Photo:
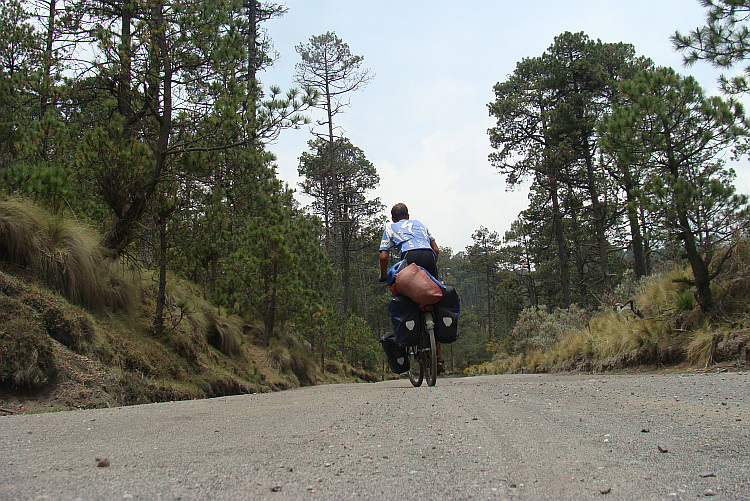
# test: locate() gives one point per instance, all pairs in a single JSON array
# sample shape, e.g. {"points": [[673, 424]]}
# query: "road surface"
{"points": [[513, 437]]}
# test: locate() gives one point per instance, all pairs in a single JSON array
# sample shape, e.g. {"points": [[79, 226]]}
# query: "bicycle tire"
{"points": [[415, 360], [431, 359]]}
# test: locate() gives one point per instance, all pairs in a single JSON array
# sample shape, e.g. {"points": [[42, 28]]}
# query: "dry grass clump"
{"points": [[577, 344], [662, 293], [65, 255], [288, 354], [26, 357], [278, 358], [335, 367], [617, 333], [707, 346], [701, 348], [224, 333], [20, 238], [186, 310]]}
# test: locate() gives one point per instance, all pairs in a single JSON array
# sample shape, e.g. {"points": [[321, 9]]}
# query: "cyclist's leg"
{"points": [[440, 362]]}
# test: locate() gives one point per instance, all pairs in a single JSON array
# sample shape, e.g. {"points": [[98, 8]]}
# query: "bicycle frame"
{"points": [[424, 354]]}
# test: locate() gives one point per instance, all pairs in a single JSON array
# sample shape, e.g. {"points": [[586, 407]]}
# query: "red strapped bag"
{"points": [[418, 285]]}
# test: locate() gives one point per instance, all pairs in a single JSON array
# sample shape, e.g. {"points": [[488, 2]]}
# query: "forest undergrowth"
{"points": [[651, 324], [76, 329]]}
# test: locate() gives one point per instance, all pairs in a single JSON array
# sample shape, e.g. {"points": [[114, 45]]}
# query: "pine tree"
{"points": [[484, 258], [667, 121], [353, 178], [329, 67]]}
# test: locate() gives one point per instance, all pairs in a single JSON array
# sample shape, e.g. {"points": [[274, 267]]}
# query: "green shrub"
{"points": [[541, 328]]}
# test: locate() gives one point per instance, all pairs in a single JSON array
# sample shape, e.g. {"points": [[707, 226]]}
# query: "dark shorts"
{"points": [[424, 258]]}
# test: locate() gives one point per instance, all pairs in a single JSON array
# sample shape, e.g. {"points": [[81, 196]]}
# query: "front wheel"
{"points": [[416, 367], [430, 359]]}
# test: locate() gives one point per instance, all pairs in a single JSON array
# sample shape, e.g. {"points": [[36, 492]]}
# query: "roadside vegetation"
{"points": [[76, 328], [649, 324]]}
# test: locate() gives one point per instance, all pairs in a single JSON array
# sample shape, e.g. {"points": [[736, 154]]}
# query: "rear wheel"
{"points": [[416, 367]]}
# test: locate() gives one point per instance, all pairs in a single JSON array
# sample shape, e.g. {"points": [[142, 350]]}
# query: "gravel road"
{"points": [[534, 437]]}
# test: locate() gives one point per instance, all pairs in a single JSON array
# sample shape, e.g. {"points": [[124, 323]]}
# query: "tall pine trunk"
{"points": [[697, 263], [562, 251], [598, 213], [161, 295], [162, 60], [639, 254]]}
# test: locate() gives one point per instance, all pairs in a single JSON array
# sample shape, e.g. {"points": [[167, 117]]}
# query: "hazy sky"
{"points": [[423, 119]]}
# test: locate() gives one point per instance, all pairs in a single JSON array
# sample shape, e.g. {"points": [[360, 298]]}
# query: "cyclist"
{"points": [[415, 243]]}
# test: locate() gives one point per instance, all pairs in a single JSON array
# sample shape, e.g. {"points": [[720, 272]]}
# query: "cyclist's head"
{"points": [[399, 212]]}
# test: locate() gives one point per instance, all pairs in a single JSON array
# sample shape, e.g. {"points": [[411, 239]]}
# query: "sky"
{"points": [[422, 121]]}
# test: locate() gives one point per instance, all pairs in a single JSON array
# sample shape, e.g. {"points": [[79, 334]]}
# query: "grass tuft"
{"points": [[278, 358], [64, 254], [288, 354], [26, 356], [701, 348], [685, 301], [19, 232], [224, 333]]}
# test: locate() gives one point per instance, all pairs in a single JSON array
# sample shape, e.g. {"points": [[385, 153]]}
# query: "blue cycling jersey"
{"points": [[406, 235]]}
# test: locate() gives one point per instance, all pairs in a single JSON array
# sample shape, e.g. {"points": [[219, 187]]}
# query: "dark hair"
{"points": [[399, 212]]}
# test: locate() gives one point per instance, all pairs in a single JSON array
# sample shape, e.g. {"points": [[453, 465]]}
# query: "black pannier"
{"points": [[445, 314], [407, 320], [395, 354]]}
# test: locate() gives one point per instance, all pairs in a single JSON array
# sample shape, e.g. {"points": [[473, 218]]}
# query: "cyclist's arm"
{"points": [[434, 246], [383, 264]]}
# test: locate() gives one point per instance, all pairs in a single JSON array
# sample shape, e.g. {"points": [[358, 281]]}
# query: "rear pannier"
{"points": [[406, 318], [445, 314], [395, 354]]}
